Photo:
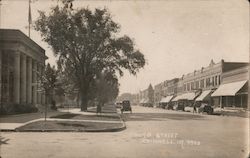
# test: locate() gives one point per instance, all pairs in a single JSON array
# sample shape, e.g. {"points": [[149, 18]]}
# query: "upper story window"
{"points": [[188, 87], [192, 85], [196, 84], [202, 83], [207, 82], [212, 81]]}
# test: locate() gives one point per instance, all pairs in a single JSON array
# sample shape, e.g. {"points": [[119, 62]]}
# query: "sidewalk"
{"points": [[77, 120], [11, 122]]}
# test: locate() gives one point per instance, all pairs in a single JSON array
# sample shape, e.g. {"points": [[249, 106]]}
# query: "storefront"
{"points": [[166, 101], [205, 97], [233, 94], [184, 100]]}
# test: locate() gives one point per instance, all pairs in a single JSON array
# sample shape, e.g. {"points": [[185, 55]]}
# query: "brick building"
{"points": [[204, 81], [146, 96], [233, 91], [158, 93]]}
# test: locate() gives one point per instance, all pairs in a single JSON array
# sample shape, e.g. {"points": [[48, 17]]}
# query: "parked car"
{"points": [[179, 106], [206, 108], [169, 107], [126, 106]]}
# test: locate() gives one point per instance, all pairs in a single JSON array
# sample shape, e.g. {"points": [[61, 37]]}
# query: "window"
{"points": [[207, 82], [192, 85], [188, 87], [219, 79], [202, 83], [212, 81], [197, 84], [216, 80]]}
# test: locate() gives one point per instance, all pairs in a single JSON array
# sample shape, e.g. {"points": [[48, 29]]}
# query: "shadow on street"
{"points": [[159, 117]]}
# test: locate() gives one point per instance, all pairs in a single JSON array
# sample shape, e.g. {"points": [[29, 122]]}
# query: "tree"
{"points": [[106, 88], [47, 84], [87, 43]]}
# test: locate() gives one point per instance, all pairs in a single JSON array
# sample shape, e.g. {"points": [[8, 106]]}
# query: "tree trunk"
{"points": [[84, 101], [84, 89], [99, 108]]}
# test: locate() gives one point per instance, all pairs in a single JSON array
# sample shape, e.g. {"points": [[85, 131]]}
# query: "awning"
{"points": [[176, 98], [166, 99], [229, 89], [203, 95], [185, 96]]}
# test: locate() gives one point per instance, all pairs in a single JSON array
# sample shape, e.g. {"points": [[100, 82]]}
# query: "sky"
{"points": [[176, 36]]}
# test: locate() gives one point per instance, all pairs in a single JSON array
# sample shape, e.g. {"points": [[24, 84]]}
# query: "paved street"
{"points": [[150, 133]]}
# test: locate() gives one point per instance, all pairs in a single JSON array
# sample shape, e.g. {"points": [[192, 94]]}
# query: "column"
{"points": [[23, 79], [17, 77], [39, 92], [34, 98], [43, 99], [0, 77], [29, 80], [7, 74]]}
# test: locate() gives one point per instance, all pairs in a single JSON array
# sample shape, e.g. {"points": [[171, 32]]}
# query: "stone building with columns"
{"points": [[21, 62]]}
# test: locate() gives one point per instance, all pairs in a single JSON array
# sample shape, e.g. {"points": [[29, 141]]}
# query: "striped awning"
{"points": [[185, 96], [166, 99], [203, 95], [229, 89]]}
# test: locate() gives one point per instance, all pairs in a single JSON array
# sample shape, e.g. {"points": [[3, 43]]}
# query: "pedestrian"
{"points": [[195, 110]]}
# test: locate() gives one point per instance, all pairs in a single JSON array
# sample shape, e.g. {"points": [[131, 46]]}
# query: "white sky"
{"points": [[176, 36]]}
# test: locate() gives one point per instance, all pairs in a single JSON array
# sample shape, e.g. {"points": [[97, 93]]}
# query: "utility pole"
{"points": [[0, 12], [29, 17]]}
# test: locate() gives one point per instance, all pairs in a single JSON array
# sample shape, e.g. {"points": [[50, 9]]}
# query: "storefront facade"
{"points": [[233, 91]]}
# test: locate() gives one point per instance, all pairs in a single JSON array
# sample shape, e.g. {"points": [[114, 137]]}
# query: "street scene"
{"points": [[149, 132], [124, 79]]}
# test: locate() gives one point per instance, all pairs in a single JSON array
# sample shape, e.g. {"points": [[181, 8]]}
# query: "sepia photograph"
{"points": [[124, 78]]}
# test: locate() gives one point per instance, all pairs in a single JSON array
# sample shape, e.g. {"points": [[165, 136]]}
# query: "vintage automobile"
{"points": [[206, 108], [126, 106]]}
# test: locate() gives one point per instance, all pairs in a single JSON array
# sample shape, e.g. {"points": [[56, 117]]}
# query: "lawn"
{"points": [[87, 117], [69, 126]]}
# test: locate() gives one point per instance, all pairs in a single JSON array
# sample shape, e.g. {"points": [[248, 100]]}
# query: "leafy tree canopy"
{"points": [[87, 43]]}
